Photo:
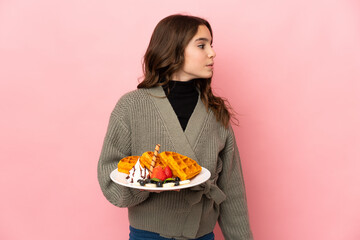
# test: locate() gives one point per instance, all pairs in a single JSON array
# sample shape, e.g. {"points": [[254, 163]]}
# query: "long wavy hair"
{"points": [[165, 56]]}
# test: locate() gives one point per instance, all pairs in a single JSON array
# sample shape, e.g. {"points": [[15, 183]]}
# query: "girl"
{"points": [[174, 106]]}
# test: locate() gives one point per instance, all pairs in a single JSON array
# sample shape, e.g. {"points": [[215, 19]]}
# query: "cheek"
{"points": [[194, 59], [193, 53]]}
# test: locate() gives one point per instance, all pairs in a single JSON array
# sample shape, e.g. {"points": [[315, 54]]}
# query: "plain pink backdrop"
{"points": [[290, 69]]}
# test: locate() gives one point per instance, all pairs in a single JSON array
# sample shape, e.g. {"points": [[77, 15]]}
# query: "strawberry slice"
{"points": [[159, 173], [168, 172]]}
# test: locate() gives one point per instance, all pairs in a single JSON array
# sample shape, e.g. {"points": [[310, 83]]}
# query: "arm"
{"points": [[117, 145], [233, 220]]}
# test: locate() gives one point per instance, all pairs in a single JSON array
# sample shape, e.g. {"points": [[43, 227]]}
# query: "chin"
{"points": [[207, 75]]}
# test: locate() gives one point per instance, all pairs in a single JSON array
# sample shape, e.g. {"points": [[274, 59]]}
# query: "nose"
{"points": [[211, 53]]}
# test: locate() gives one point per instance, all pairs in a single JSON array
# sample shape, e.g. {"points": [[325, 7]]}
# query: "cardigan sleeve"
{"points": [[117, 145], [233, 219]]}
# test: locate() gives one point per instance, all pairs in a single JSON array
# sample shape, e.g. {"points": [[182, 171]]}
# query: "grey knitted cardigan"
{"points": [[143, 118]]}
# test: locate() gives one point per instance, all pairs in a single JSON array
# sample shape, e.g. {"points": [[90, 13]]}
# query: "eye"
{"points": [[202, 46]]}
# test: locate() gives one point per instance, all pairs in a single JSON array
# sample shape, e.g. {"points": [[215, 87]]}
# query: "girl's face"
{"points": [[199, 57]]}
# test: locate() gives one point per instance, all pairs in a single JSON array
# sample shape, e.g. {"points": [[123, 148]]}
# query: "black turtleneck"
{"points": [[183, 97]]}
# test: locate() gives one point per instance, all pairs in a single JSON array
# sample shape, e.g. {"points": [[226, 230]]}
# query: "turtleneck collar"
{"points": [[183, 97], [179, 87]]}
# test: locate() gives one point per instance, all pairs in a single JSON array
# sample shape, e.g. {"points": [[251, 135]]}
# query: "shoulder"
{"points": [[125, 104], [132, 97], [217, 127], [136, 101], [129, 100]]}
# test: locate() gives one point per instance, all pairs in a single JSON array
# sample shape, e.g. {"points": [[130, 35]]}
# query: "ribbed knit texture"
{"points": [[139, 121]]}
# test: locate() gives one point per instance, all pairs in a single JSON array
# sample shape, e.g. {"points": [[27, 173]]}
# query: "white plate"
{"points": [[120, 178]]}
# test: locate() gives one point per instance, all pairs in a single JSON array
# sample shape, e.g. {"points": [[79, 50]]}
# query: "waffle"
{"points": [[127, 163], [146, 158], [181, 166]]}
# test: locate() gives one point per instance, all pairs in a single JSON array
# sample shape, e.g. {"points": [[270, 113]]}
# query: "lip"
{"points": [[211, 65]]}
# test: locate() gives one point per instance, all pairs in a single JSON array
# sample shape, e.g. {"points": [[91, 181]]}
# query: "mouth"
{"points": [[210, 65]]}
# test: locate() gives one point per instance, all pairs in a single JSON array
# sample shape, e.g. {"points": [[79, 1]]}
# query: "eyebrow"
{"points": [[202, 39]]}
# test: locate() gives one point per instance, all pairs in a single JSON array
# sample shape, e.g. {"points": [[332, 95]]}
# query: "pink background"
{"points": [[291, 70]]}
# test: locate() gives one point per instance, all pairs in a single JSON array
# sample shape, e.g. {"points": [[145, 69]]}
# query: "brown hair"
{"points": [[165, 56]]}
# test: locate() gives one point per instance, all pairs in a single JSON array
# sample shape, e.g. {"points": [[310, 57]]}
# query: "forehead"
{"points": [[203, 33]]}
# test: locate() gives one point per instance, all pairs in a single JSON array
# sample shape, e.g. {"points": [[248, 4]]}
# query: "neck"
{"points": [[181, 77]]}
